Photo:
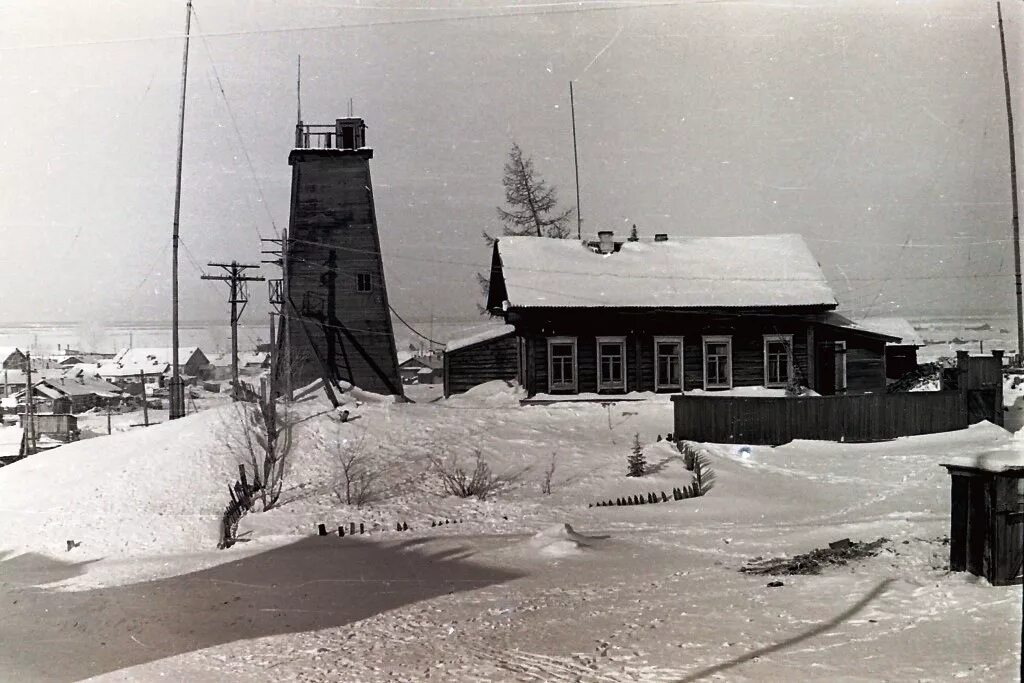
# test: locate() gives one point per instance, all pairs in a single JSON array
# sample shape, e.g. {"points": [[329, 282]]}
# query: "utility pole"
{"points": [[145, 399], [279, 300], [177, 393], [30, 424], [236, 279], [576, 163]]}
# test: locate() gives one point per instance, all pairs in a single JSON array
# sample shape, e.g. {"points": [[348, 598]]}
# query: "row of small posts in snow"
{"points": [[683, 493], [321, 529]]}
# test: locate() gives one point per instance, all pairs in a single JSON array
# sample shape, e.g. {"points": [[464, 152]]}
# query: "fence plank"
{"points": [[856, 418]]}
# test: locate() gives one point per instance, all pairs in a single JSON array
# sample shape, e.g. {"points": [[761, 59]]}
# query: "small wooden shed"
{"points": [[986, 535], [483, 357]]}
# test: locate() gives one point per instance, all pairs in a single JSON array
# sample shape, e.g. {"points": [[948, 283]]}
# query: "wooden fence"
{"points": [[775, 421]]}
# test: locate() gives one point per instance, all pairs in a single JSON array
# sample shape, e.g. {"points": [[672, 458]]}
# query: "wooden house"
{"points": [[153, 364], [11, 358], [677, 315], [900, 356], [419, 369]]}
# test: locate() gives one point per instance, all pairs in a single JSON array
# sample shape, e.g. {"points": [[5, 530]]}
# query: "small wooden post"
{"points": [[108, 417], [321, 529]]}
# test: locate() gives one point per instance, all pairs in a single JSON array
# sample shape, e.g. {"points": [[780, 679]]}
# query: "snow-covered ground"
{"points": [[648, 592]]}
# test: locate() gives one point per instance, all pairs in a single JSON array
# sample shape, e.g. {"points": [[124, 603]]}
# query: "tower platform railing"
{"points": [[316, 136]]}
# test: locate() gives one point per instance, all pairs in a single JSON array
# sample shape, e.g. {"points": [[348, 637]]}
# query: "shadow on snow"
{"points": [[312, 584]]}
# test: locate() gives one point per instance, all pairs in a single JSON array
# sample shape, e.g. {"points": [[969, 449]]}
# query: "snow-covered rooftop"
{"points": [[132, 369], [894, 327], [485, 335], [686, 272], [839, 320], [154, 355]]}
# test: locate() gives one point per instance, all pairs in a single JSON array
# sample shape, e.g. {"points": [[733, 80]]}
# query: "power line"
{"points": [[238, 134], [414, 330], [646, 277], [552, 9]]}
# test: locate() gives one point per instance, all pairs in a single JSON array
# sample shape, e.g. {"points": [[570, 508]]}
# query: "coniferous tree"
{"points": [[636, 464], [531, 201], [531, 206]]}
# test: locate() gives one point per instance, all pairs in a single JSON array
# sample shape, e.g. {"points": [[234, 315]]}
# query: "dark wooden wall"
{"points": [[641, 328], [775, 421], [483, 362], [865, 358], [899, 360], [333, 222]]}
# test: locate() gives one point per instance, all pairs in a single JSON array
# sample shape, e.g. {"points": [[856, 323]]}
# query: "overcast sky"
{"points": [[875, 129]]}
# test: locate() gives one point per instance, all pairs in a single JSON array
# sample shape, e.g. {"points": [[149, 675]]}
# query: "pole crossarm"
{"points": [[235, 275]]}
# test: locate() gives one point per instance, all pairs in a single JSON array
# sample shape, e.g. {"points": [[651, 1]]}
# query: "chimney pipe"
{"points": [[661, 237], [606, 244]]}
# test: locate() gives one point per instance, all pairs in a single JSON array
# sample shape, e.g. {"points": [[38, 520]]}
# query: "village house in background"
{"points": [[151, 365], [419, 368], [11, 358], [250, 362], [674, 315]]}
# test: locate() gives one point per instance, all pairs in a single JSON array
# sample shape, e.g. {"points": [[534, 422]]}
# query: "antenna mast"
{"points": [[298, 89], [1013, 190], [576, 163], [177, 395]]}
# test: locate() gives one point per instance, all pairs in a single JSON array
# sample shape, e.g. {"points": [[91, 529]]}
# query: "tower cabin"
{"points": [[335, 299]]}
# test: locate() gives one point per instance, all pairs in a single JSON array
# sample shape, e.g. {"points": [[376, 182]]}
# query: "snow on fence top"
{"points": [[894, 327], [687, 272], [486, 335]]}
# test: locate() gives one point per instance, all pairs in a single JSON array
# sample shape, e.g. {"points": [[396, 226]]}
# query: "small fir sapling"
{"points": [[636, 463]]}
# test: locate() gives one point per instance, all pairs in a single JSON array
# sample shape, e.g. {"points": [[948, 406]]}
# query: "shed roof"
{"points": [[686, 272], [895, 327], [839, 320], [489, 334]]}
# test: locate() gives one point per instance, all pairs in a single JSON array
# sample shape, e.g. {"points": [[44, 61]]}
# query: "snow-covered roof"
{"points": [[8, 351], [998, 460], [83, 386], [153, 355], [686, 272], [223, 360], [486, 335], [839, 320], [132, 369], [894, 327]]}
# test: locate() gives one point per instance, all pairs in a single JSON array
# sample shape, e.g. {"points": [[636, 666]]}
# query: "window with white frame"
{"points": [[668, 363], [840, 348], [778, 359], [718, 362], [562, 364], [611, 363]]}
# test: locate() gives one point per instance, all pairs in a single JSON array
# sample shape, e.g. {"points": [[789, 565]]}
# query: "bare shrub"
{"points": [[549, 473], [263, 436], [478, 481], [360, 474]]}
